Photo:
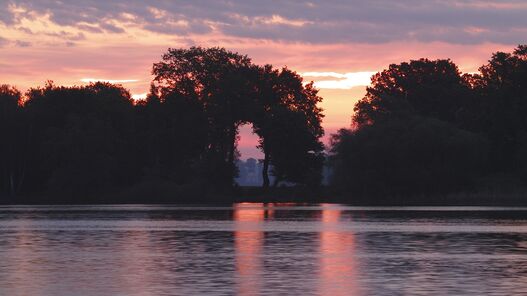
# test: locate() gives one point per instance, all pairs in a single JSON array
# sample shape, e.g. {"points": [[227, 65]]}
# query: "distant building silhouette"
{"points": [[250, 172]]}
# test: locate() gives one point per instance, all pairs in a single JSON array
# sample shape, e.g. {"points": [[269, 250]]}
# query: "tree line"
{"points": [[425, 128], [68, 141]]}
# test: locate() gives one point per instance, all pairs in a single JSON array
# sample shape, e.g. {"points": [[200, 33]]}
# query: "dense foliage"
{"points": [[91, 139], [424, 128]]}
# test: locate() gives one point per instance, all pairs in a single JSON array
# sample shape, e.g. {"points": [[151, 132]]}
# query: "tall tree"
{"points": [[222, 82], [233, 91], [172, 135], [289, 125], [501, 87], [11, 133], [408, 134], [429, 88]]}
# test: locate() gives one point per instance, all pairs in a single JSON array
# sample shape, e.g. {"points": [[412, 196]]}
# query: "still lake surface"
{"points": [[262, 249]]}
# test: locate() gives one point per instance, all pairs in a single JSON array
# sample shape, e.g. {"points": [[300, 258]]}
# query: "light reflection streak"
{"points": [[337, 266], [21, 256], [248, 247]]}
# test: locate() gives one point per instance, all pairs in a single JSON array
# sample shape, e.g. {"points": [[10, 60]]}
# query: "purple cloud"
{"points": [[317, 21]]}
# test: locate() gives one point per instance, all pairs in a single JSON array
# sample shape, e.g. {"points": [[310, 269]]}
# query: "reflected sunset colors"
{"points": [[185, 100], [337, 266], [261, 249], [19, 258], [248, 246]]}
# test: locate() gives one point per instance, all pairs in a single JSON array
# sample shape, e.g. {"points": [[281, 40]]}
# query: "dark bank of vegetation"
{"points": [[95, 144], [423, 134], [425, 131]]}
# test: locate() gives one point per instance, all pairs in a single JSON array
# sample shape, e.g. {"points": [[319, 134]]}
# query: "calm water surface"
{"points": [[262, 249]]}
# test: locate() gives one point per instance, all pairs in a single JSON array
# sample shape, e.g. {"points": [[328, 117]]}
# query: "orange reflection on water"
{"points": [[337, 267], [135, 263], [20, 255], [248, 243], [269, 214]]}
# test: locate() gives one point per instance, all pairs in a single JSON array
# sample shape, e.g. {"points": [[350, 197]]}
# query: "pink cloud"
{"points": [[122, 45]]}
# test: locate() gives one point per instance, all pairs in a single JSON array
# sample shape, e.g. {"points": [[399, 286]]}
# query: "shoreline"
{"points": [[277, 195]]}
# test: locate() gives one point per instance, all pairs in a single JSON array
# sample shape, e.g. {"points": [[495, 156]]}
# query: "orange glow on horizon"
{"points": [[114, 81], [38, 49]]}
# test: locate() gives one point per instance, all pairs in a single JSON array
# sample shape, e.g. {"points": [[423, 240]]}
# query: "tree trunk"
{"points": [[265, 171], [232, 144], [276, 181], [232, 152], [22, 171], [11, 184]]}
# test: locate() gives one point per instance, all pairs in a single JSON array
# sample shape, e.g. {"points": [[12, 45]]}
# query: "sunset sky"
{"points": [[338, 44]]}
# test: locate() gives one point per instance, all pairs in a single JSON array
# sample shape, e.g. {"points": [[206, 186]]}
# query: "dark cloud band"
{"points": [[324, 21]]}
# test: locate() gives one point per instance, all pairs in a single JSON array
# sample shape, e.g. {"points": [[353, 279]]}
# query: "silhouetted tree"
{"points": [[81, 138], [232, 91], [409, 134], [501, 87], [421, 128], [429, 88], [172, 131], [473, 125], [12, 148], [406, 157], [288, 122], [222, 81]]}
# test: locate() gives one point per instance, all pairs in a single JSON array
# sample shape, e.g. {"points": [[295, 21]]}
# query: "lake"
{"points": [[262, 249]]}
